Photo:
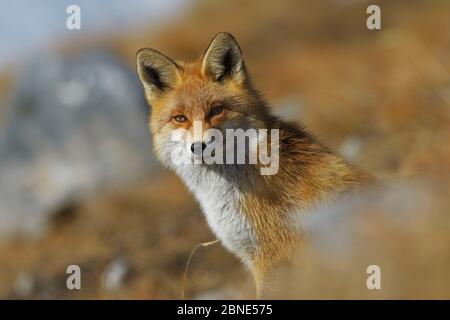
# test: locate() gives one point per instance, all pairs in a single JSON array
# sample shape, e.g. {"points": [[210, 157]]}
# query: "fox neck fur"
{"points": [[256, 216]]}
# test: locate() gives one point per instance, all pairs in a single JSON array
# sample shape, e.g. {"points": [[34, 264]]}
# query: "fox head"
{"points": [[211, 94]]}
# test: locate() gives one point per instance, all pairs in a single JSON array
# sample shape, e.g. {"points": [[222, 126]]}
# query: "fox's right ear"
{"points": [[158, 73]]}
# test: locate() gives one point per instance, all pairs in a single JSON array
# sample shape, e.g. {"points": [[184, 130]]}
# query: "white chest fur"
{"points": [[221, 203]]}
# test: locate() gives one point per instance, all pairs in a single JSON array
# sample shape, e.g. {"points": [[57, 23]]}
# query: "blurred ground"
{"points": [[380, 98]]}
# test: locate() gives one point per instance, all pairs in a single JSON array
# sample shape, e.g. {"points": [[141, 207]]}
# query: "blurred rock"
{"points": [[75, 124], [115, 274], [289, 108], [350, 148], [24, 285]]}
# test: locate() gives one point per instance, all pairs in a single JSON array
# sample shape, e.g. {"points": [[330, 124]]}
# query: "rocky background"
{"points": [[79, 183]]}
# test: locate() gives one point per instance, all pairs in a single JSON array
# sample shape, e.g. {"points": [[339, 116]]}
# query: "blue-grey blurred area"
{"points": [[29, 26], [75, 124]]}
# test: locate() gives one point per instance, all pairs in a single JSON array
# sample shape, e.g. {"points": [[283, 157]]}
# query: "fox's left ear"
{"points": [[223, 59]]}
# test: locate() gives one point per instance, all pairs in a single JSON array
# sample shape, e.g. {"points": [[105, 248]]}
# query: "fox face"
{"points": [[193, 104]]}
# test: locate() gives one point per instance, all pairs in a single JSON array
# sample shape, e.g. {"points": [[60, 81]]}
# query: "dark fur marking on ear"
{"points": [[227, 63], [153, 76], [223, 59]]}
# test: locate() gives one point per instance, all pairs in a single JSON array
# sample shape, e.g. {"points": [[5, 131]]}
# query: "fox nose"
{"points": [[198, 147]]}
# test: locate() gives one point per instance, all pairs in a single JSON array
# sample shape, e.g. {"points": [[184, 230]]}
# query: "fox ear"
{"points": [[158, 73], [223, 59]]}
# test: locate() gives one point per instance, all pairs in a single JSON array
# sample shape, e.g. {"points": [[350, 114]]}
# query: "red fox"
{"points": [[252, 214]]}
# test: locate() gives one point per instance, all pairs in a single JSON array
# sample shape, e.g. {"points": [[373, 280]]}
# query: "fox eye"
{"points": [[180, 118], [216, 110]]}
